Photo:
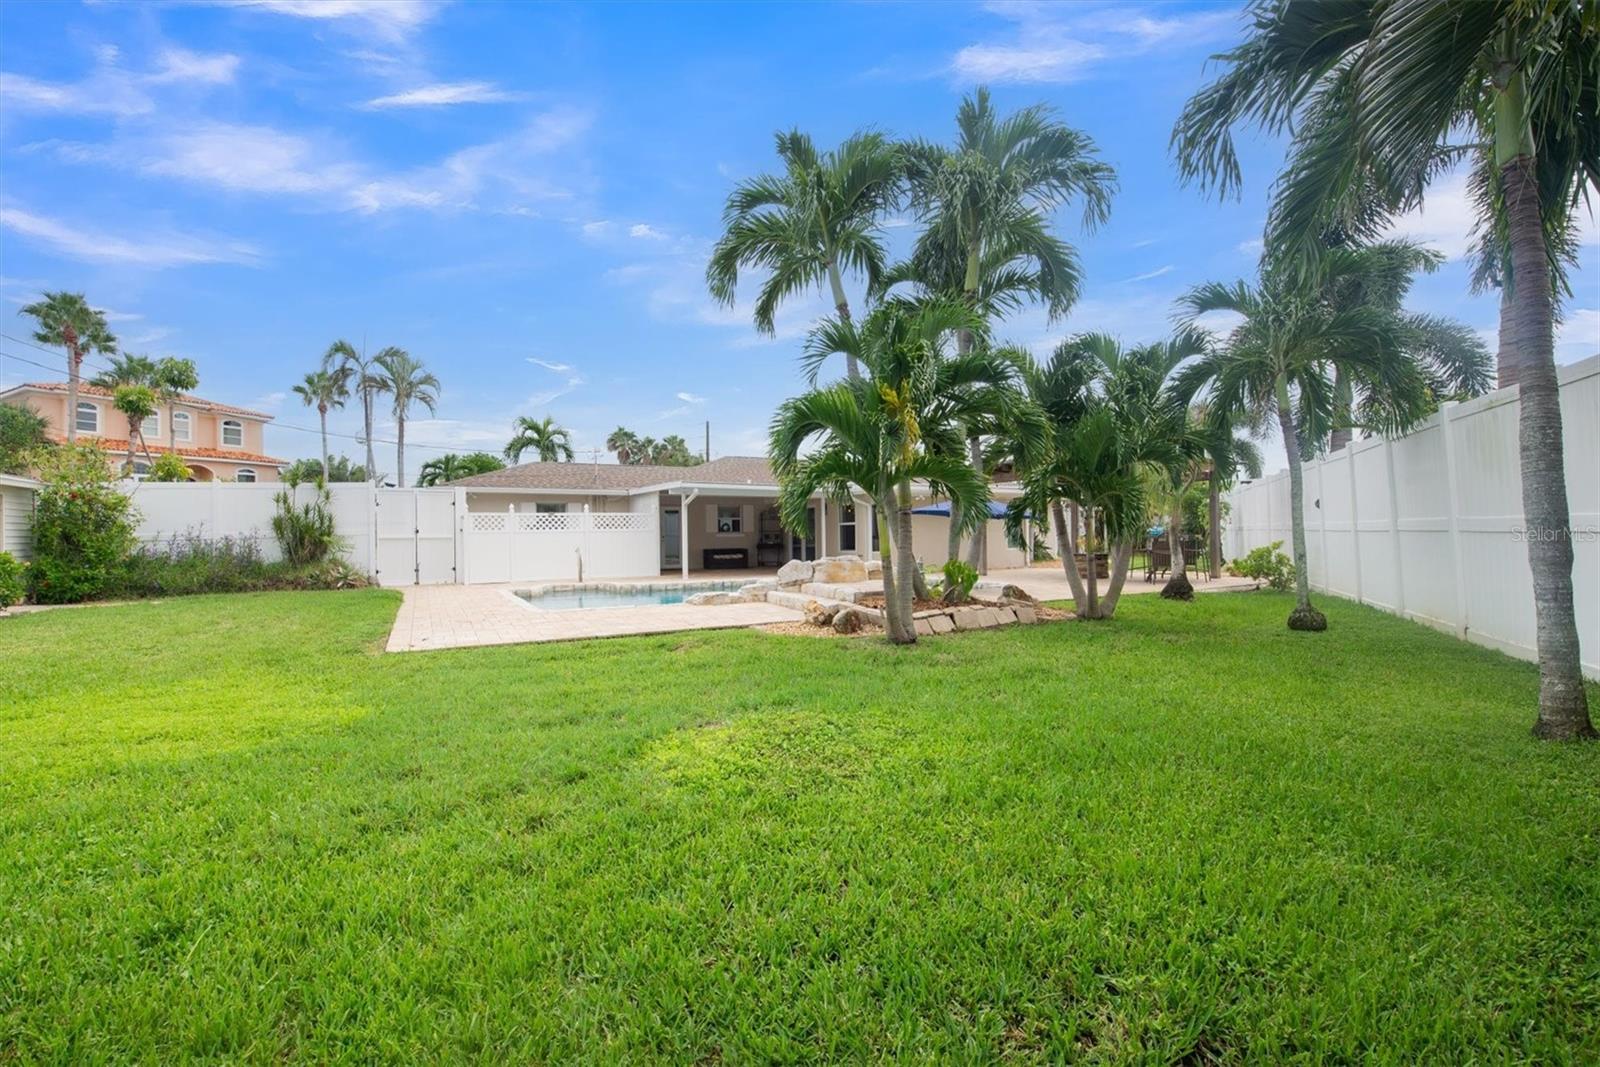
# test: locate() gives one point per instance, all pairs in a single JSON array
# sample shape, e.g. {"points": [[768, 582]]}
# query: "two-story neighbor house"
{"points": [[218, 442]]}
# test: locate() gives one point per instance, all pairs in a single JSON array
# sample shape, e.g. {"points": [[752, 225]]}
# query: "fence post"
{"points": [[1355, 516], [1452, 498], [1394, 528], [1322, 524]]}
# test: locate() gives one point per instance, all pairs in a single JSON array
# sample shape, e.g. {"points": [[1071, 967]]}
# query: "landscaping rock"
{"points": [[836, 570], [714, 598], [1014, 593], [874, 568], [794, 572], [1007, 616], [849, 621], [819, 614], [756, 591], [969, 618], [924, 628], [1026, 615], [941, 624]]}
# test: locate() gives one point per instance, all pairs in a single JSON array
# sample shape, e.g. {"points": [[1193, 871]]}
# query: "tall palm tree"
{"points": [[325, 388], [366, 379], [553, 443], [987, 203], [173, 378], [625, 443], [1377, 92], [408, 384], [809, 225], [1229, 450], [66, 319], [1281, 361], [903, 422]]}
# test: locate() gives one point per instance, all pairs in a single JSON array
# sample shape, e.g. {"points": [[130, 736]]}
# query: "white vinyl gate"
{"points": [[415, 536]]}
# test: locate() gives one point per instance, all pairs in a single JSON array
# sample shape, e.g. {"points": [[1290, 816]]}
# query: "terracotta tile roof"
{"points": [[119, 446], [186, 399], [616, 478]]}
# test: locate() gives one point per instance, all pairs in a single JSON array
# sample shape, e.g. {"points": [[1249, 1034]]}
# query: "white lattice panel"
{"points": [[617, 522], [484, 522], [547, 522]]}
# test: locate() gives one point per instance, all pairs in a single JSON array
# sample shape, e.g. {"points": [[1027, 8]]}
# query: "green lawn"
{"points": [[229, 828]]}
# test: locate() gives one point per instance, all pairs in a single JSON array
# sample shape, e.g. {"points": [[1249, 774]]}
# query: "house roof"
{"points": [[617, 478], [186, 399], [119, 446]]}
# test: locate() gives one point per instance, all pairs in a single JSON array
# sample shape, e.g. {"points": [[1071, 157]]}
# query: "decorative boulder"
{"points": [[1014, 593], [835, 570], [795, 572], [874, 568], [757, 590], [819, 614], [848, 621], [713, 598]]}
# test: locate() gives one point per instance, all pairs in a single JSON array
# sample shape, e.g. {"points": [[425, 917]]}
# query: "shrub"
{"points": [[959, 578], [169, 467], [82, 526], [305, 532], [13, 580], [187, 563], [23, 431], [1267, 564]]}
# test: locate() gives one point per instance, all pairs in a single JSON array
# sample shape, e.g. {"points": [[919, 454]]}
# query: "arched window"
{"points": [[88, 417], [232, 433], [182, 425], [245, 474]]}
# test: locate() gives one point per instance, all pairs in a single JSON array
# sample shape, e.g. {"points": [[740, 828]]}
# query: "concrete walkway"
{"points": [[1050, 583], [459, 616]]}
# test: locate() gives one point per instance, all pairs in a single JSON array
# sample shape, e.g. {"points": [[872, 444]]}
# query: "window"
{"points": [[233, 433], [182, 426], [542, 508], [729, 519], [847, 528], [151, 427], [88, 417], [245, 474], [140, 470]]}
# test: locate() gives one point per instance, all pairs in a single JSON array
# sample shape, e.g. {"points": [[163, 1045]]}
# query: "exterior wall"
{"points": [[702, 520], [930, 538], [1430, 526], [16, 521]]}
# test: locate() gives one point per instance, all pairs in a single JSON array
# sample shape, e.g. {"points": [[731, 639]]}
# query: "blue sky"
{"points": [[524, 196]]}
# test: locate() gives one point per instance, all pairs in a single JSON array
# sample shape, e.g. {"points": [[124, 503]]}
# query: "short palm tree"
{"points": [[325, 388], [809, 226], [900, 423], [552, 443], [67, 320], [131, 380], [1282, 359], [365, 378], [173, 378], [987, 204], [409, 384], [625, 443], [1380, 94], [450, 466]]}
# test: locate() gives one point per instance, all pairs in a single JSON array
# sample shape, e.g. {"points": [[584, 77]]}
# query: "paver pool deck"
{"points": [[462, 616]]}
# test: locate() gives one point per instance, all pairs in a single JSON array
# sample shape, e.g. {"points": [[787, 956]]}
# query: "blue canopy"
{"points": [[997, 509]]}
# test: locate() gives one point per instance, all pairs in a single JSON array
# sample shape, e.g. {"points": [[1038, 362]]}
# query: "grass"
{"points": [[230, 829]]}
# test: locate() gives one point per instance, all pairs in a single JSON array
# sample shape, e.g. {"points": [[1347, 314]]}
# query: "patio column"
{"points": [[822, 527], [684, 500]]}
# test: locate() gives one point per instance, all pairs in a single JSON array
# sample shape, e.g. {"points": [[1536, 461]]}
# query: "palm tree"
{"points": [[408, 383], [450, 466], [809, 225], [901, 423], [1229, 451], [1376, 92], [325, 388], [552, 442], [625, 443], [366, 378], [131, 380], [66, 319], [1282, 359], [173, 378], [987, 204]]}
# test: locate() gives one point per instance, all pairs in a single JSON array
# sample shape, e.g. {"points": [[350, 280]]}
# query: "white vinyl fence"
{"points": [[1430, 526], [519, 546]]}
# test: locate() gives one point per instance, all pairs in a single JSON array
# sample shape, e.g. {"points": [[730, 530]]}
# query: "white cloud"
{"points": [[1252, 247], [1579, 333], [1067, 61], [572, 380], [110, 90], [1444, 220], [445, 94], [182, 65], [596, 229], [1218, 323], [153, 250], [554, 368], [1158, 272], [645, 231], [391, 20], [690, 398]]}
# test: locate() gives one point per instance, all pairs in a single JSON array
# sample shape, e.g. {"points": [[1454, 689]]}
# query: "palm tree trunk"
{"points": [[1214, 521], [400, 450], [1121, 559], [172, 429], [1092, 606], [978, 548], [1343, 403], [74, 362], [1563, 704], [366, 417], [905, 564], [322, 413], [133, 434], [1067, 550], [841, 304], [1304, 616], [1506, 357]]}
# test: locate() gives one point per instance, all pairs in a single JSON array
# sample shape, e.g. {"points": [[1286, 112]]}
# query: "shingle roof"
{"points": [[616, 478], [186, 399]]}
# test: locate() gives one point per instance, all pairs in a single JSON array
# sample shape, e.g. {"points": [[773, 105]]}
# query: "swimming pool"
{"points": [[612, 595]]}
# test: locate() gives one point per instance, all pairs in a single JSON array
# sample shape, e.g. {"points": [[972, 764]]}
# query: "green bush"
{"points": [[1267, 564], [959, 578], [82, 526], [169, 467], [305, 532], [188, 564], [13, 580]]}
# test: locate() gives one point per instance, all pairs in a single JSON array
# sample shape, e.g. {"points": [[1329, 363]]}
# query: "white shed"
{"points": [[16, 515]]}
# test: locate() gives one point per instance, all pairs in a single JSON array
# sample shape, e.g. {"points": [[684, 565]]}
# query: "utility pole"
{"points": [[708, 441]]}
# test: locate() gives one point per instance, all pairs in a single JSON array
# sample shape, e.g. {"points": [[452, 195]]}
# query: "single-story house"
{"points": [[16, 515], [722, 514]]}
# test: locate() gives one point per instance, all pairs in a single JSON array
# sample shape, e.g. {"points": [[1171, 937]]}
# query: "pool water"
{"points": [[573, 597]]}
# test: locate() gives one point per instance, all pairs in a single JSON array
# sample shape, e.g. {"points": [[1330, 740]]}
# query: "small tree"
{"points": [[552, 443], [173, 378], [82, 526], [305, 532], [23, 431], [169, 467], [137, 403]]}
